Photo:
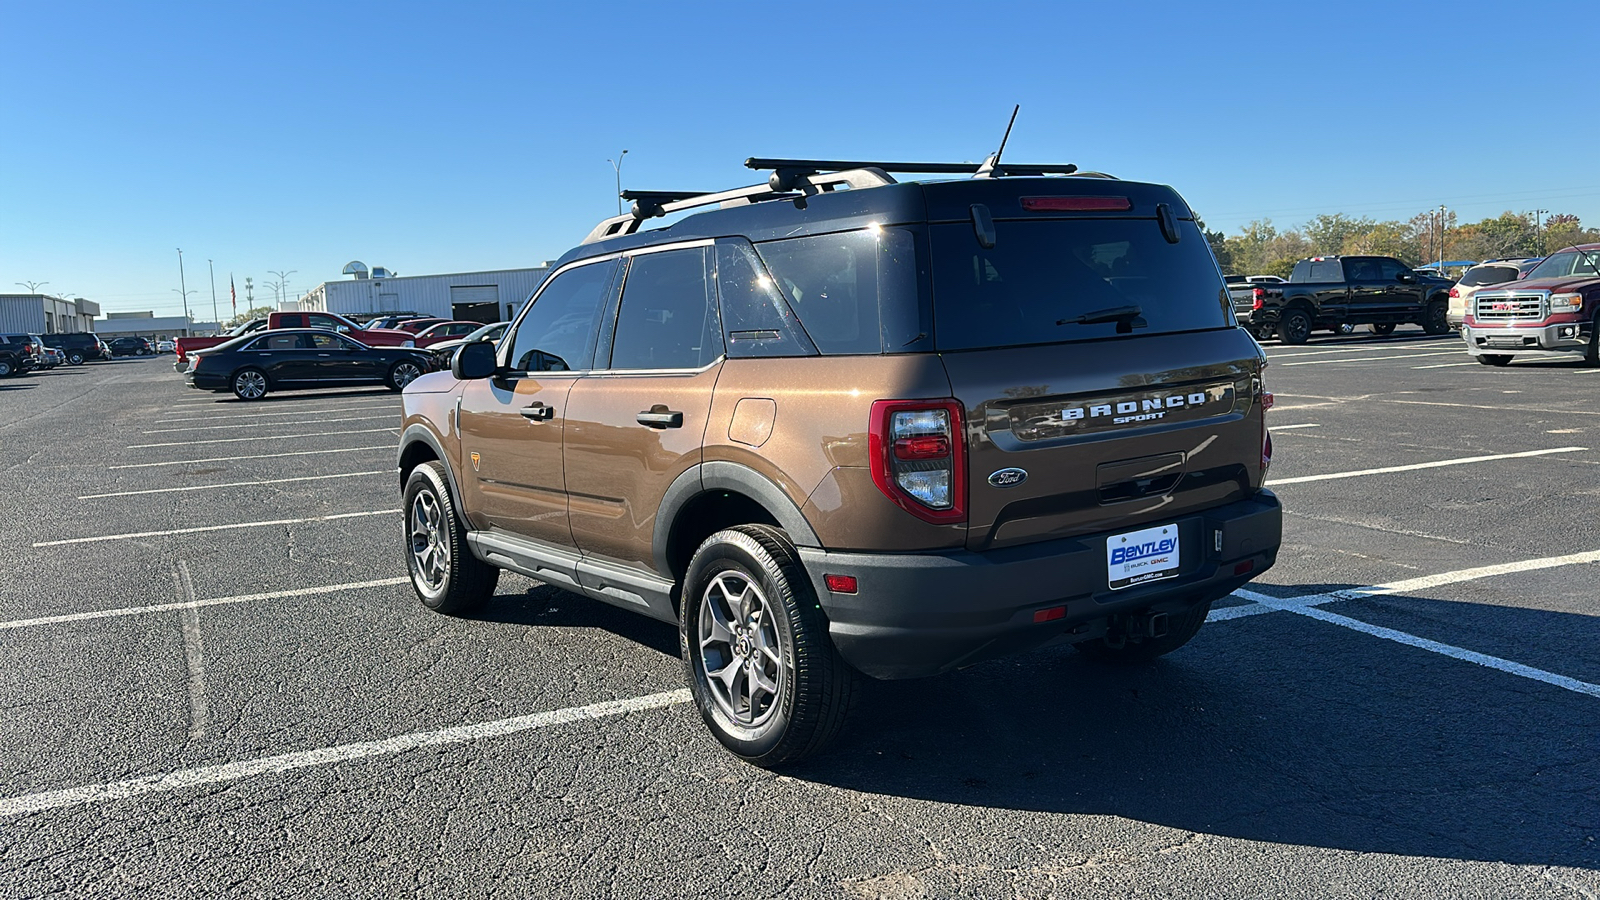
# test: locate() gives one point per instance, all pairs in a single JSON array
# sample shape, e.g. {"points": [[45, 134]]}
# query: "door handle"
{"points": [[538, 412], [324, 355], [659, 416]]}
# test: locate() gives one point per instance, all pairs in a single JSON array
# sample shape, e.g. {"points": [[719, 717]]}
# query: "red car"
{"points": [[444, 331]]}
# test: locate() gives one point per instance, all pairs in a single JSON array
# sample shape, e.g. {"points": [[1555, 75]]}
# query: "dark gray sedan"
{"points": [[300, 358]]}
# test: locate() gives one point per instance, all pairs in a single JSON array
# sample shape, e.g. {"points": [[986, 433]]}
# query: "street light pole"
{"points": [[1442, 212], [32, 286], [616, 166], [284, 280], [183, 286], [1538, 230], [214, 317]]}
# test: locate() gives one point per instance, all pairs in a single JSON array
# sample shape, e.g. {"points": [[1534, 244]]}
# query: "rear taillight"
{"points": [[1258, 294], [919, 457], [1455, 293]]}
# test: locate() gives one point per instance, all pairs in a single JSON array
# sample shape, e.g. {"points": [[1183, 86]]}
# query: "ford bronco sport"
{"points": [[840, 424]]}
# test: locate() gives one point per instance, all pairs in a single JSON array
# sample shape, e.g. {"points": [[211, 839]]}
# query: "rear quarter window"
{"points": [[853, 292]]}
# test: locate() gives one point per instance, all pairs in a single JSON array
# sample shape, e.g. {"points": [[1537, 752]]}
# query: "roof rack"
{"points": [[794, 167], [650, 204]]}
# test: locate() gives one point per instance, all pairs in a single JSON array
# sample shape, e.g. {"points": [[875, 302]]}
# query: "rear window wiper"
{"points": [[1119, 314]]}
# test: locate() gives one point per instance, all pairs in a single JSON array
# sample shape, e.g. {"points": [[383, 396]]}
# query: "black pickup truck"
{"points": [[1334, 291]]}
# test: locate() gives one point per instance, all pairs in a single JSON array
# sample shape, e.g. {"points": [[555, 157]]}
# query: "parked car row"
{"points": [[21, 353]]}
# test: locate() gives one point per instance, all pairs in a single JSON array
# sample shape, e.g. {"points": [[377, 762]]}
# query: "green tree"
{"points": [[260, 312], [1328, 233]]}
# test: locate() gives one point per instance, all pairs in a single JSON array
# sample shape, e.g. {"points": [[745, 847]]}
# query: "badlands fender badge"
{"points": [[1005, 478], [474, 462]]}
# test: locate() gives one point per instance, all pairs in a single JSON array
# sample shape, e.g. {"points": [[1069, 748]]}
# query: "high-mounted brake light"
{"points": [[1075, 204], [918, 457]]}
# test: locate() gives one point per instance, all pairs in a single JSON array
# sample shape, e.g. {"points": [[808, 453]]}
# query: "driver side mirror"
{"points": [[474, 361]]}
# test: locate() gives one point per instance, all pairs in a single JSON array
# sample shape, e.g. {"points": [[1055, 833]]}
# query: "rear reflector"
{"points": [[1075, 204], [1051, 614], [1245, 567], [1266, 400], [840, 584]]}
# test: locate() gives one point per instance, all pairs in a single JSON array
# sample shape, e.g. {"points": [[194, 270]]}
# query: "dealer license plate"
{"points": [[1142, 556]]}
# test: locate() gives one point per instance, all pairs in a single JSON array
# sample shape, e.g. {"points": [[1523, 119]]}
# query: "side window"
{"points": [[328, 342], [283, 342], [857, 292], [1390, 269], [324, 322], [1325, 272], [757, 319], [557, 333], [667, 319], [1361, 270], [291, 320]]}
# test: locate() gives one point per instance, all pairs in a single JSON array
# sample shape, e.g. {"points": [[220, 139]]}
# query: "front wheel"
{"points": [[6, 368], [1494, 359], [444, 573], [1294, 327], [1383, 329], [765, 675], [249, 384], [1437, 318], [76, 359], [1129, 650], [1592, 354], [403, 373]]}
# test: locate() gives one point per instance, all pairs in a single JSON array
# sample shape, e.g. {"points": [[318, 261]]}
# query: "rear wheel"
{"points": [[75, 358], [765, 675], [1437, 318], [1127, 650], [403, 373], [1494, 359], [1383, 329], [249, 384], [6, 368], [1294, 327], [1592, 355]]}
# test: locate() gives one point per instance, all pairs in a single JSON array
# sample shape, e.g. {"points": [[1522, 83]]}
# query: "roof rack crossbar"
{"points": [[650, 204], [836, 165]]}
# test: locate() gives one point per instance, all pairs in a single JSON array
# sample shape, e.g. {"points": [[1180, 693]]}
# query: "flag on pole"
{"points": [[233, 294]]}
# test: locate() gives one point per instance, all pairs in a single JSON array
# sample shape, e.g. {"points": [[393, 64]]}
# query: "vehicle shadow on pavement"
{"points": [[1273, 728], [545, 606], [23, 386], [226, 398]]}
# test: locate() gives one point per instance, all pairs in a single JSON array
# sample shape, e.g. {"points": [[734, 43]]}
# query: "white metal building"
{"points": [[152, 326], [480, 296], [45, 314]]}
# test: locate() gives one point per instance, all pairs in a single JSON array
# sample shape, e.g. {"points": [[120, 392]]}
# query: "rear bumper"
{"points": [[1558, 339], [921, 614], [206, 382]]}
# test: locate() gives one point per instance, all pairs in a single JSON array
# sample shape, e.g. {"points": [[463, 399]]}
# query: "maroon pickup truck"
{"points": [[372, 337], [1552, 311]]}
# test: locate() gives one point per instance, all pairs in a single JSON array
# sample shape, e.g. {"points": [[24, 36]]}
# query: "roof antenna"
{"points": [[991, 166]]}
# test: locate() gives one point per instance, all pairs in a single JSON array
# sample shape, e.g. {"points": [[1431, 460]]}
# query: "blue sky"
{"points": [[430, 137]]}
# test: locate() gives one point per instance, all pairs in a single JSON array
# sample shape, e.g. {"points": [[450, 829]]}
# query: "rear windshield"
{"points": [[1043, 275], [1489, 275]]}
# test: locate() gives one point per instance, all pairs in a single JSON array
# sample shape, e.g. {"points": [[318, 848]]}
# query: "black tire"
{"points": [[1383, 329], [6, 368], [1344, 328], [1436, 319], [1592, 354], [455, 582], [403, 373], [1294, 327], [249, 384], [1180, 629], [1494, 359], [75, 358], [781, 631]]}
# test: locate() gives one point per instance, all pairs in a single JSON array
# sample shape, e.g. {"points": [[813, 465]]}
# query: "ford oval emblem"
{"points": [[1008, 478]]}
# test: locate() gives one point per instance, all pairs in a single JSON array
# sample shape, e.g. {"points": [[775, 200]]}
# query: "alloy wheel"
{"points": [[250, 385], [430, 549], [405, 373], [741, 649]]}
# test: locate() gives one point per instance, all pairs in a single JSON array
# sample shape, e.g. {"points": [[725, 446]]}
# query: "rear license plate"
{"points": [[1142, 556]]}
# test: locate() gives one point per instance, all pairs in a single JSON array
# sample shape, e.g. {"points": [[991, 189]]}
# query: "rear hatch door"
{"points": [[1105, 385]]}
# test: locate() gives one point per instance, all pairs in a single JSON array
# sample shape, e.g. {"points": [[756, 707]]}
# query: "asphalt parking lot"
{"points": [[217, 682]]}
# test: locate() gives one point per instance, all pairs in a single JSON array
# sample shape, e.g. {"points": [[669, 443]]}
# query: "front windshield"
{"points": [[1567, 264]]}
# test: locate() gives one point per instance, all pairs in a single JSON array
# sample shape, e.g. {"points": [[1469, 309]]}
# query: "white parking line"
{"points": [[259, 437], [1427, 465], [288, 762], [273, 424], [203, 528], [209, 487], [1269, 428], [185, 462], [1446, 365], [1299, 606], [1520, 409], [215, 601], [1321, 362], [287, 412]]}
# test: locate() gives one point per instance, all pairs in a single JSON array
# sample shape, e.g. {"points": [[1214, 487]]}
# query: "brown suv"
{"points": [[843, 424]]}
